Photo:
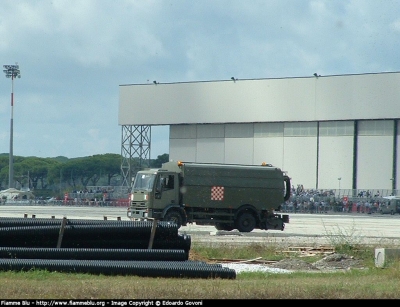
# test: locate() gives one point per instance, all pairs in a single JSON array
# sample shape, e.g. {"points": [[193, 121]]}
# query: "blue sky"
{"points": [[74, 54]]}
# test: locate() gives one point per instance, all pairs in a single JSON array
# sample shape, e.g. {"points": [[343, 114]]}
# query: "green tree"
{"points": [[70, 173], [4, 169], [109, 165], [45, 173], [79, 171], [35, 169], [160, 160]]}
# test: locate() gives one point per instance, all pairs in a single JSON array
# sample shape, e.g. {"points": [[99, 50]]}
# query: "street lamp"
{"points": [[339, 179], [393, 185], [11, 71]]}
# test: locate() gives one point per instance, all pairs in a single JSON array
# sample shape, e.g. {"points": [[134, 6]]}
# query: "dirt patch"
{"points": [[293, 264], [331, 262], [193, 256]]}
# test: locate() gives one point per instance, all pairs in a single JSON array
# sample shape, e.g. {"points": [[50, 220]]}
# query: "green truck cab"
{"points": [[227, 196]]}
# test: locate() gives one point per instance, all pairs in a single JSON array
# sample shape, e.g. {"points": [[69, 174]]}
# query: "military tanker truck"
{"points": [[227, 196]]}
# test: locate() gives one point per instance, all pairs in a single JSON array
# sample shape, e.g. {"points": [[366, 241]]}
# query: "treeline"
{"points": [[71, 174]]}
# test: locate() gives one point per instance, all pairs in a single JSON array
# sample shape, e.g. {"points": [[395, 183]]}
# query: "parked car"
{"points": [[392, 207]]}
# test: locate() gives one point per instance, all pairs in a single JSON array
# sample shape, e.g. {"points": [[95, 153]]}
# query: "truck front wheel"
{"points": [[245, 222], [175, 217]]}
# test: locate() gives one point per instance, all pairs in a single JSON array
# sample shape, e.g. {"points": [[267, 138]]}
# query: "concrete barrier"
{"points": [[383, 256]]}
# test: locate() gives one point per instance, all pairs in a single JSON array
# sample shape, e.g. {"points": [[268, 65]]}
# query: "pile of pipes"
{"points": [[142, 248]]}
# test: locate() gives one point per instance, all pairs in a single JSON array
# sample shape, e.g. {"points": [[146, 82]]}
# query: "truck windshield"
{"points": [[144, 182]]}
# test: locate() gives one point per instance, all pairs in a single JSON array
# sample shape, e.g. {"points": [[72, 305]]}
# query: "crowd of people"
{"points": [[324, 201]]}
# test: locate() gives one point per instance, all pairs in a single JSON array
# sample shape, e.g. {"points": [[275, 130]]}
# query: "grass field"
{"points": [[367, 283]]}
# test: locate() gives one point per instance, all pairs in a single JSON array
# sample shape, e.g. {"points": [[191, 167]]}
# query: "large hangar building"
{"points": [[326, 132]]}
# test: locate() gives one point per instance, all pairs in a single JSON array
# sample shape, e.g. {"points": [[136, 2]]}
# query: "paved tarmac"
{"points": [[329, 229]]}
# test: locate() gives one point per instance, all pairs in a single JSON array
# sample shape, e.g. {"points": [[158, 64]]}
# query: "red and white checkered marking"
{"points": [[217, 193]]}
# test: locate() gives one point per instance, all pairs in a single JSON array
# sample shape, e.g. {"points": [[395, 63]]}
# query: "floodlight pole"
{"points": [[340, 178], [11, 71]]}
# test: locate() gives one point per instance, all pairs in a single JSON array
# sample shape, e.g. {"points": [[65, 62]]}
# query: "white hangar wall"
{"points": [[366, 96], [315, 162], [316, 129]]}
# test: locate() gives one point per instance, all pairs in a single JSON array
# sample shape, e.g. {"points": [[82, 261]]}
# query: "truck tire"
{"points": [[175, 217], [223, 226], [245, 222]]}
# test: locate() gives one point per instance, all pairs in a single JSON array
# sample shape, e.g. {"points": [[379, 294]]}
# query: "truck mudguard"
{"points": [[287, 187]]}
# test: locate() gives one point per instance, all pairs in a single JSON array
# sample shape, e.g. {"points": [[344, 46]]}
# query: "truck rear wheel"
{"points": [[245, 222], [175, 217], [223, 226]]}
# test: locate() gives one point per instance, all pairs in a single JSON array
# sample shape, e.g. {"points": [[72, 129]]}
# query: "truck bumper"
{"points": [[285, 218], [136, 214]]}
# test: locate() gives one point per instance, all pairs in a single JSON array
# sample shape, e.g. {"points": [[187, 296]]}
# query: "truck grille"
{"points": [[138, 205]]}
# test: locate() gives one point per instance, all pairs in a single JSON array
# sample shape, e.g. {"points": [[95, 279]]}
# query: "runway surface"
{"points": [[302, 229]]}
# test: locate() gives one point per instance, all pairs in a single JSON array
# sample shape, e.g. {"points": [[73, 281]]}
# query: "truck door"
{"points": [[166, 191]]}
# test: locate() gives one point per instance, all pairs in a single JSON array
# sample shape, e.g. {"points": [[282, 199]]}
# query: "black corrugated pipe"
{"points": [[94, 254], [123, 231], [165, 227], [180, 242], [184, 269], [89, 232], [31, 236], [88, 236]]}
